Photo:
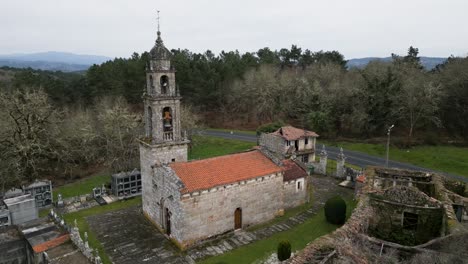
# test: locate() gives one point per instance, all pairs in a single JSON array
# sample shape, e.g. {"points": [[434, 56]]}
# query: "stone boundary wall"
{"points": [[82, 244]]}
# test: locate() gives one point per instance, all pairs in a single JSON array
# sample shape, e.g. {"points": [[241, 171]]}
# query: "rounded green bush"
{"points": [[284, 250], [335, 210]]}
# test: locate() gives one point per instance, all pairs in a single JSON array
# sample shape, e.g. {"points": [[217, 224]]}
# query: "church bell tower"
{"points": [[164, 140]]}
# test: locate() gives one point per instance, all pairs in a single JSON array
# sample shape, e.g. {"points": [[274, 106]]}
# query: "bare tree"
{"points": [[29, 129], [119, 128], [418, 100]]}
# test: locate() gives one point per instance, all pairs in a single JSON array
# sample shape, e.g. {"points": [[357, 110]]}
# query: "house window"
{"points": [[173, 160], [305, 158], [288, 143], [306, 141], [410, 221], [299, 185]]}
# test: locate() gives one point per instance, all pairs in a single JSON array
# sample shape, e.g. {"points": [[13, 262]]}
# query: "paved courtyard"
{"points": [[128, 237]]}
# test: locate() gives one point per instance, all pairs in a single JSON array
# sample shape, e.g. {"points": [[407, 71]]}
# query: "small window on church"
{"points": [[299, 185], [151, 81]]}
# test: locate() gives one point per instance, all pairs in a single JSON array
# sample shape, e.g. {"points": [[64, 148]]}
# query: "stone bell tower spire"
{"points": [[163, 133]]}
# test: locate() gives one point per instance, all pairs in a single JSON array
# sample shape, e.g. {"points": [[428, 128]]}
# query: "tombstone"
{"points": [[103, 189], [45, 258], [340, 164], [323, 161], [60, 203], [97, 192], [51, 212], [75, 223], [85, 236], [97, 259]]}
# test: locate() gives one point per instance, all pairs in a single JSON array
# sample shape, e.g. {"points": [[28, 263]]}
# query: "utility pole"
{"points": [[388, 143]]}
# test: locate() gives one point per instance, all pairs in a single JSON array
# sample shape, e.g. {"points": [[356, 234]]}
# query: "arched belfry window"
{"points": [[167, 119], [150, 122], [164, 84]]}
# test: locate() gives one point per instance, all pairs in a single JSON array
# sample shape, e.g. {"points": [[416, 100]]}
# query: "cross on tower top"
{"points": [[158, 20]]}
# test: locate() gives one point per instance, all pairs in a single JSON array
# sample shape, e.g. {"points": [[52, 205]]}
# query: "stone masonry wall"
{"points": [[292, 196], [162, 154], [211, 212], [160, 191], [273, 143]]}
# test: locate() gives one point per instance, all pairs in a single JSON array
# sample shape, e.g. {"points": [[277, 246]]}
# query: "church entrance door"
{"points": [[168, 222], [238, 218]]}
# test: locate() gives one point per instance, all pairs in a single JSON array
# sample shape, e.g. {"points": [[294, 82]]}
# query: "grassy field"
{"points": [[249, 132], [298, 236], [80, 217], [82, 186], [441, 158], [207, 147]]}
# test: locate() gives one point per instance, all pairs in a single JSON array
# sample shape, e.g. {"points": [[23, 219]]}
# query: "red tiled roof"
{"points": [[292, 171], [51, 243], [361, 178], [208, 173], [292, 133]]}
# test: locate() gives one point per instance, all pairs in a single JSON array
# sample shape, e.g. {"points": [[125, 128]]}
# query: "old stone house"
{"points": [[291, 142], [194, 200]]}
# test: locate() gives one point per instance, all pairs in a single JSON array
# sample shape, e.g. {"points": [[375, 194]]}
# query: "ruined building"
{"points": [[402, 216], [194, 200]]}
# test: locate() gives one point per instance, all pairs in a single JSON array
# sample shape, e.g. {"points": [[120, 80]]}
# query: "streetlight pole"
{"points": [[388, 143]]}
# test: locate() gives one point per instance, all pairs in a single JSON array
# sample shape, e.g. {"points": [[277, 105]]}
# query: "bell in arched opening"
{"points": [[167, 119], [164, 84]]}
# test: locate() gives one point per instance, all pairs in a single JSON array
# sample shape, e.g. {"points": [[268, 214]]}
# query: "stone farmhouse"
{"points": [[291, 142], [194, 200]]}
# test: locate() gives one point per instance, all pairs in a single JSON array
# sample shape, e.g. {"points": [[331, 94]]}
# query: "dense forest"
{"points": [[76, 120]]}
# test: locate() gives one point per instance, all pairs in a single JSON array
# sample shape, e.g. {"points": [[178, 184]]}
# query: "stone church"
{"points": [[193, 200]]}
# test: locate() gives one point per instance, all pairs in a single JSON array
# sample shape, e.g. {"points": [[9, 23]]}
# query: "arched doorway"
{"points": [[238, 218]]}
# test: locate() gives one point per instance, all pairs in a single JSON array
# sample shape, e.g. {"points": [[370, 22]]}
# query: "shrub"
{"points": [[284, 250], [335, 210], [270, 127]]}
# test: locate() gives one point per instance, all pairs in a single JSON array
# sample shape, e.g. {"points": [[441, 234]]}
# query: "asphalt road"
{"points": [[352, 157]]}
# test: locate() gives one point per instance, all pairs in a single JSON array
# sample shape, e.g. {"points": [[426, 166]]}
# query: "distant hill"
{"points": [[428, 62], [52, 61]]}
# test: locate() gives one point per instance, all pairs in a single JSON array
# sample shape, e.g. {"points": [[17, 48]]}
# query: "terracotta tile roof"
{"points": [[51, 243], [208, 173], [292, 133], [292, 171], [361, 178]]}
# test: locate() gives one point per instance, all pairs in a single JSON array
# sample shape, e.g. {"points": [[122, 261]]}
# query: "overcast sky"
{"points": [[117, 28]]}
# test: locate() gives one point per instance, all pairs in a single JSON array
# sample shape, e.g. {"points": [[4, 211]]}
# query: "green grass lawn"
{"points": [[249, 132], [298, 236], [82, 186], [207, 147], [441, 158], [80, 217]]}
